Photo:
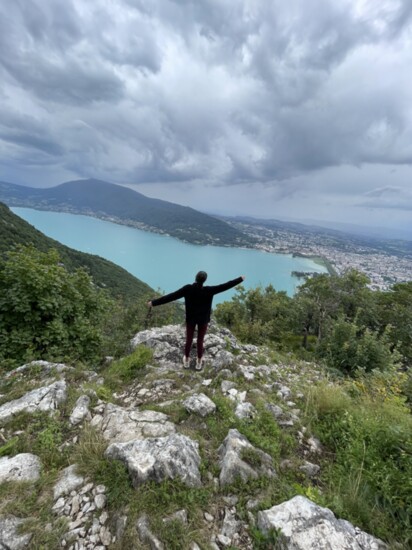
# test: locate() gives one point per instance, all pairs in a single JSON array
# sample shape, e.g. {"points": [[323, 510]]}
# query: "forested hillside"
{"points": [[119, 282]]}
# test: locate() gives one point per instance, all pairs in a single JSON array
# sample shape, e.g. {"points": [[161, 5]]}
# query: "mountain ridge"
{"points": [[123, 205]]}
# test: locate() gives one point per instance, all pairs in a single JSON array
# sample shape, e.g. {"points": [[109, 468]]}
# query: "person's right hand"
{"points": [[149, 303]]}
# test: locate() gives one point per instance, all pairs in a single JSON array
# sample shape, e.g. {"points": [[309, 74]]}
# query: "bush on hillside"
{"points": [[47, 312], [257, 315], [349, 348]]}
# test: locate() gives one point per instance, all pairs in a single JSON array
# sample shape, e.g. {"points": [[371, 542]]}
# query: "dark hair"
{"points": [[201, 277]]}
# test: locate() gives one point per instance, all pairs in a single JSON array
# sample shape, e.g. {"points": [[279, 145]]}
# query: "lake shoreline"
{"points": [[163, 261], [319, 260]]}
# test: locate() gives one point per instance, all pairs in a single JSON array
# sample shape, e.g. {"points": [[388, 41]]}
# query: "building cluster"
{"points": [[383, 267]]}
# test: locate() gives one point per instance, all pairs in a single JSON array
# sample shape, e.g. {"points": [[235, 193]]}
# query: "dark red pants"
{"points": [[190, 331]]}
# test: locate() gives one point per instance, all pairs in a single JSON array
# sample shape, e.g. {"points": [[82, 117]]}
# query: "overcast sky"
{"points": [[297, 109]]}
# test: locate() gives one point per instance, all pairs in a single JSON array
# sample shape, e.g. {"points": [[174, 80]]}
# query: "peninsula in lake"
{"points": [[120, 204]]}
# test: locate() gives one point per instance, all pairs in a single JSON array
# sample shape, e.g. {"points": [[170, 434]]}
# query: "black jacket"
{"points": [[198, 300]]}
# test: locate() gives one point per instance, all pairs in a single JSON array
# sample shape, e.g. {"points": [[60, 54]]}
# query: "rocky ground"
{"points": [[225, 442]]}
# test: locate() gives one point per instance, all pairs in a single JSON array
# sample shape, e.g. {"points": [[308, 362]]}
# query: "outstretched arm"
{"points": [[168, 297], [226, 286]]}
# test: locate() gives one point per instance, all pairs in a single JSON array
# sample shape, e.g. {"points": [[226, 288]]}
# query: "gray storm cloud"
{"points": [[209, 92]]}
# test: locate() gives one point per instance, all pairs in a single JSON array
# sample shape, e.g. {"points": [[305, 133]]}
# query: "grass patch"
{"points": [[41, 434], [34, 501], [89, 456], [369, 481], [251, 457], [125, 370]]}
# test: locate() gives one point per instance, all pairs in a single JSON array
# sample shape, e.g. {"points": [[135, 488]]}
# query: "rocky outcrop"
{"points": [[22, 467], [173, 457], [47, 398], [304, 524], [167, 344], [44, 367], [153, 449], [120, 425], [239, 459]]}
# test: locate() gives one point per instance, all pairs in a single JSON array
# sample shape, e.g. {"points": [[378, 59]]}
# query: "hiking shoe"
{"points": [[186, 362], [199, 364]]}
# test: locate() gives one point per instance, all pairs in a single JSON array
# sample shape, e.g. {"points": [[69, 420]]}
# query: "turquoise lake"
{"points": [[166, 263]]}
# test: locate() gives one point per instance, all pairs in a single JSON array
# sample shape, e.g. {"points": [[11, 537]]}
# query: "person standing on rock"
{"points": [[198, 305]]}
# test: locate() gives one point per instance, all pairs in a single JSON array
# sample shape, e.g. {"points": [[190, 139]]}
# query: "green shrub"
{"points": [[47, 312], [349, 347]]}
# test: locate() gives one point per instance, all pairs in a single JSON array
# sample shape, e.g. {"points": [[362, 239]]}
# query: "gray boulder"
{"points": [[10, 539], [166, 342], [309, 469], [22, 467], [200, 404], [121, 425], [171, 457], [245, 411], [306, 525], [69, 480], [47, 398], [233, 463], [80, 411]]}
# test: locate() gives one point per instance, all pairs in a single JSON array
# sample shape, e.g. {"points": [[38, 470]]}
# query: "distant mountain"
{"points": [[123, 205], [118, 281]]}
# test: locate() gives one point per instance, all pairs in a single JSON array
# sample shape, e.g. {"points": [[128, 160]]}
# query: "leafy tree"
{"points": [[47, 312], [257, 315], [395, 310], [324, 298], [349, 347]]}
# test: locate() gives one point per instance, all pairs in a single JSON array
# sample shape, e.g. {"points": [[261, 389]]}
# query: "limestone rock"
{"points": [[10, 539], [232, 464], [311, 470], [245, 410], [199, 403], [45, 366], [167, 343], [120, 425], [305, 525], [171, 457], [47, 398], [223, 359], [231, 525], [145, 534], [80, 411], [315, 446], [68, 481], [22, 467]]}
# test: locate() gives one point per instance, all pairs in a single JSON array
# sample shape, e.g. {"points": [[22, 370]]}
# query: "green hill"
{"points": [[123, 205], [120, 283]]}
